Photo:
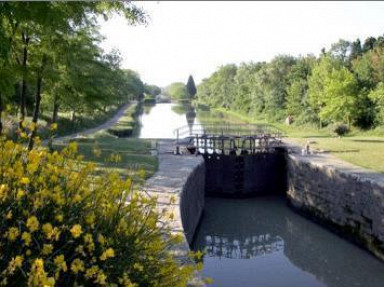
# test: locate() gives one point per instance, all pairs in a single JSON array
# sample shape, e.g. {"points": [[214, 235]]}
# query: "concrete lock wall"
{"points": [[346, 199], [192, 200]]}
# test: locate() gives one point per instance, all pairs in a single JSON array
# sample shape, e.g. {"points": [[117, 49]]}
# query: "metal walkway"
{"points": [[235, 139]]}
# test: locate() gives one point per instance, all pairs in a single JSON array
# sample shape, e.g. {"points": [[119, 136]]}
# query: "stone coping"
{"points": [[326, 160], [168, 184]]}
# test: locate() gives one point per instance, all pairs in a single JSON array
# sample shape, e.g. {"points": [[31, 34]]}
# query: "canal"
{"points": [[261, 241]]}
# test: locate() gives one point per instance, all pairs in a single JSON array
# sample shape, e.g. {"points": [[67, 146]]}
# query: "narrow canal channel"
{"points": [[261, 242]]}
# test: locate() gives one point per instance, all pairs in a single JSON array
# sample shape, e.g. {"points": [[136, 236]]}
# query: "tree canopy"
{"points": [[343, 84], [50, 58]]}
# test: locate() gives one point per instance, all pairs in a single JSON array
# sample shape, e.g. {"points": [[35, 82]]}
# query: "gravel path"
{"points": [[105, 125]]}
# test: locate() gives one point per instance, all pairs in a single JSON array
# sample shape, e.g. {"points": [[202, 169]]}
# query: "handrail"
{"points": [[226, 129]]}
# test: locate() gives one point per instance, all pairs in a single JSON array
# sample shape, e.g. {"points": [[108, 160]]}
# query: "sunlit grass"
{"points": [[135, 154]]}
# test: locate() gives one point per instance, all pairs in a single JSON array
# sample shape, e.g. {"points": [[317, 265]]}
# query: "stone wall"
{"points": [[345, 198], [178, 186]]}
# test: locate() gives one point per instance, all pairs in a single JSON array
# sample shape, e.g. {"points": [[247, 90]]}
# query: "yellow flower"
{"points": [[16, 262], [38, 276], [91, 271], [27, 238], [24, 180], [8, 215], [138, 267], [77, 266], [76, 230], [33, 223], [107, 254], [101, 239], [59, 217], [101, 277], [47, 230], [60, 263], [13, 233], [20, 193], [53, 127], [47, 249]]}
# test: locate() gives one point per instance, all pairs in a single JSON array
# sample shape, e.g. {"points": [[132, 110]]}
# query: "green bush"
{"points": [[340, 129], [61, 224]]}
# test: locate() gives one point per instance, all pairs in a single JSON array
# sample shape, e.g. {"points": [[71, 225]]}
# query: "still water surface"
{"points": [[261, 242], [162, 120]]}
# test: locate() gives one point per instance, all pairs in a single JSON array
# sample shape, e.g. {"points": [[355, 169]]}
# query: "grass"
{"points": [[135, 155], [362, 148], [127, 124]]}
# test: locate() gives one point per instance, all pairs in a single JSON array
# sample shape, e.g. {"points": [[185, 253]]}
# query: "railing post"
{"points": [[177, 142]]}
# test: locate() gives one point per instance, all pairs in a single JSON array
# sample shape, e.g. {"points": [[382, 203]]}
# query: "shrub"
{"points": [[340, 129], [61, 224]]}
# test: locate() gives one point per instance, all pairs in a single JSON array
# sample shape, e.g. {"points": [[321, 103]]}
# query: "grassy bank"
{"points": [[128, 156], [362, 148]]}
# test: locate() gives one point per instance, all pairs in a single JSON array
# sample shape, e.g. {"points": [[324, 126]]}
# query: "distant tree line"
{"points": [[181, 91], [50, 59], [344, 84]]}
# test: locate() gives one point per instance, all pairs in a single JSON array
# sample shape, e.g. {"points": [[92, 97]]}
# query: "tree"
{"points": [[377, 96], [177, 91], [340, 96], [191, 88]]}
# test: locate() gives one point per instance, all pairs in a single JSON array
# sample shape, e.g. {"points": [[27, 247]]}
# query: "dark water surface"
{"points": [[261, 242]]}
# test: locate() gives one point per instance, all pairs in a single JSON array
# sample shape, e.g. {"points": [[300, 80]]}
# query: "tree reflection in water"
{"points": [[247, 242]]}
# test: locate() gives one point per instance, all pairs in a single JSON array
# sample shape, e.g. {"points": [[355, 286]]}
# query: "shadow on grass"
{"points": [[369, 141], [342, 151], [318, 136]]}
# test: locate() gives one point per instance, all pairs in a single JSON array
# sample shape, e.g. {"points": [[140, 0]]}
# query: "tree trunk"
{"points": [[72, 117], [55, 108], [37, 104], [25, 39]]}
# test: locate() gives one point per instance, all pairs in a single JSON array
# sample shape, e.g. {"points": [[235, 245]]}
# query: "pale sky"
{"points": [[184, 38]]}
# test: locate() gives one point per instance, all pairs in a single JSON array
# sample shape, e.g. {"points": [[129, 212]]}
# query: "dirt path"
{"points": [[105, 125]]}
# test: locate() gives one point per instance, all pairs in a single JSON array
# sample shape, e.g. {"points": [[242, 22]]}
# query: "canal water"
{"points": [[261, 242], [161, 120]]}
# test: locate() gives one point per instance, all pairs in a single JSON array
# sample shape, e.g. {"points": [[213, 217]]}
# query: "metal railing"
{"points": [[226, 129], [228, 137]]}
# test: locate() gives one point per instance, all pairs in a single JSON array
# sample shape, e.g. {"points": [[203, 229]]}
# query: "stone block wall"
{"points": [[192, 200], [347, 199]]}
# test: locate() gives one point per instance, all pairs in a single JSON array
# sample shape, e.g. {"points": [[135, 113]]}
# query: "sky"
{"points": [[185, 38]]}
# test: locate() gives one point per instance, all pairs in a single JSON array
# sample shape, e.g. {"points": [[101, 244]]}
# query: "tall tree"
{"points": [[191, 88]]}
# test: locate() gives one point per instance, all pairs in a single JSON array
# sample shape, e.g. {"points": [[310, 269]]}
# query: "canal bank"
{"points": [[179, 186], [345, 198]]}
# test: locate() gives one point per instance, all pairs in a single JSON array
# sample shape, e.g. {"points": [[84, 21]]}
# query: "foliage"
{"points": [[127, 123], [337, 86], [177, 91], [50, 58], [62, 224], [152, 90], [340, 129], [377, 96], [191, 88]]}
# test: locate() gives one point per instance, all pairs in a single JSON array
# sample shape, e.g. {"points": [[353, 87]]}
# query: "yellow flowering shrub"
{"points": [[63, 224]]}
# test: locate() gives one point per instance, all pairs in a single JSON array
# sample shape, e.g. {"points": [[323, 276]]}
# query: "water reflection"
{"points": [[261, 242], [162, 119]]}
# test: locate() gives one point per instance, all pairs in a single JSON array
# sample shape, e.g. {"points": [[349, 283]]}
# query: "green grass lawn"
{"points": [[135, 155]]}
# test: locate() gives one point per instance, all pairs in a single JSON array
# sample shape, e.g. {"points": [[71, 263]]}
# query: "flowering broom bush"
{"points": [[62, 225]]}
